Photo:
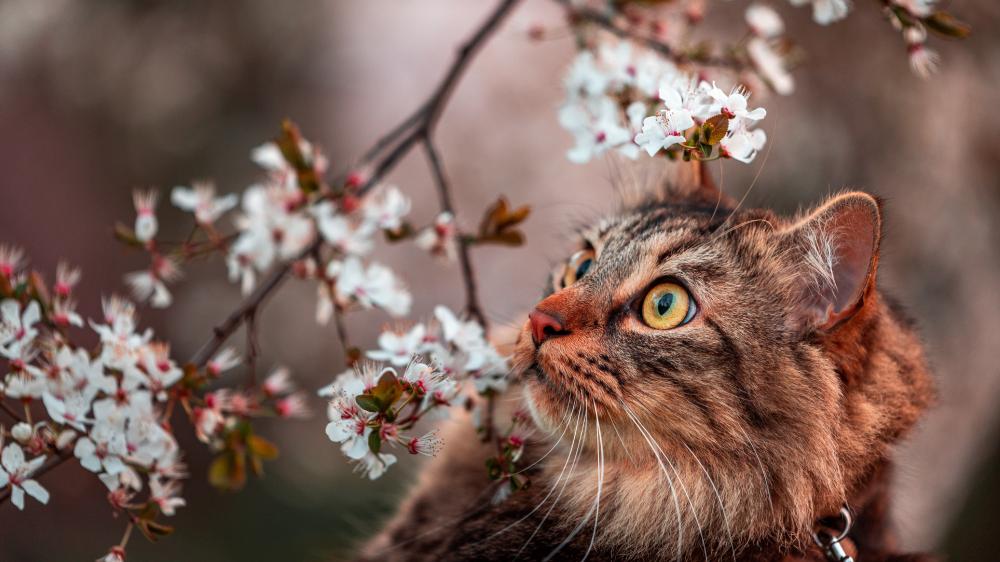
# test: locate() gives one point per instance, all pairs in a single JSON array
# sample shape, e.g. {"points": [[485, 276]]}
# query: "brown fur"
{"points": [[777, 404]]}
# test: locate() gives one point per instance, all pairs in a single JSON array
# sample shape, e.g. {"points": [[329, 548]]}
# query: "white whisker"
{"points": [[718, 498]]}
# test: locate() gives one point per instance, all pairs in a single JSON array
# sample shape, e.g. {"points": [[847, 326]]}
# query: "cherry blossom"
{"points": [[223, 361], [771, 66], [764, 21], [734, 104], [374, 285], [165, 495], [742, 144], [151, 284], [826, 11], [200, 199], [386, 208], [15, 471], [439, 238], [428, 444], [11, 259], [145, 214], [398, 348], [66, 278]]}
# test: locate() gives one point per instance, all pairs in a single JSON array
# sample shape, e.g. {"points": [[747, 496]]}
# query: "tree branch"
{"points": [[414, 128], [472, 305]]}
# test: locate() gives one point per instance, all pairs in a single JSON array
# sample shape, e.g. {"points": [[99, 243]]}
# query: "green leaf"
{"points": [[374, 441], [368, 403]]}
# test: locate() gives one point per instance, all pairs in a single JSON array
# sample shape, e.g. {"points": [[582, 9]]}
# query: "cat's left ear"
{"points": [[834, 251]]}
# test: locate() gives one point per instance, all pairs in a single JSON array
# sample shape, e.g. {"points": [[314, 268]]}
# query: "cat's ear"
{"points": [[834, 251]]}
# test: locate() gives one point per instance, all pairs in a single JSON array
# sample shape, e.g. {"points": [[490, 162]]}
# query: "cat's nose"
{"points": [[544, 326]]}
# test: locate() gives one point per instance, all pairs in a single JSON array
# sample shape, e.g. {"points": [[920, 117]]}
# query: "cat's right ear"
{"points": [[834, 256]]}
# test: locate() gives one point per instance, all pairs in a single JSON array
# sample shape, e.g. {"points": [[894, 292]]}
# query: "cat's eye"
{"points": [[667, 305], [577, 266]]}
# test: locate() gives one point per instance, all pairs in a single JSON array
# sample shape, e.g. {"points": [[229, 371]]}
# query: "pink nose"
{"points": [[544, 326]]}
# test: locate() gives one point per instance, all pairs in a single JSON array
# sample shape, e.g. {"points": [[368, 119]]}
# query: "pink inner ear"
{"points": [[854, 231], [839, 245]]}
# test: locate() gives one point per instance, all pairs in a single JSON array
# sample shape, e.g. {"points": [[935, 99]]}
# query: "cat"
{"points": [[720, 379]]}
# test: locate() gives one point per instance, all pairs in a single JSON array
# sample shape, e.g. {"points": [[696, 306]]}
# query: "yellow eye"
{"points": [[666, 306], [577, 266]]}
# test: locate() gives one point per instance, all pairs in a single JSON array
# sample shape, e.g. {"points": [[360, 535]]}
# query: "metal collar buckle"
{"points": [[830, 543]]}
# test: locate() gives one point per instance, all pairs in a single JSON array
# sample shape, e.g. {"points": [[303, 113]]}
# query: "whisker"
{"points": [[718, 497], [600, 482], [569, 475], [694, 510], [553, 448], [670, 481], [595, 506], [576, 426]]}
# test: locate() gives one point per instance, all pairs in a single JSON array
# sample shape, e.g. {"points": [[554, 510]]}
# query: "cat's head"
{"points": [[743, 348]]}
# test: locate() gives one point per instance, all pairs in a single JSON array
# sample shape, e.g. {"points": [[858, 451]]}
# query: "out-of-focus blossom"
{"points": [[764, 21], [386, 208], [770, 66], [151, 284], [826, 11], [398, 348], [200, 199], [440, 238], [145, 214]]}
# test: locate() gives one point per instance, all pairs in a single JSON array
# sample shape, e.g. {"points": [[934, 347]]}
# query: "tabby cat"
{"points": [[708, 383]]}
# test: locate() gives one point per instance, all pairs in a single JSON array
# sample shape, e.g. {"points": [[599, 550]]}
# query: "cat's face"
{"points": [[668, 316], [745, 353]]}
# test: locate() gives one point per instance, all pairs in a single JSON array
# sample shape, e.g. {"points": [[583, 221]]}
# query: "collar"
{"points": [[830, 535]]}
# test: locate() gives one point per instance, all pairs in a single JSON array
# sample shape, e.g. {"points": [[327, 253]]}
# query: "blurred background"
{"points": [[99, 97]]}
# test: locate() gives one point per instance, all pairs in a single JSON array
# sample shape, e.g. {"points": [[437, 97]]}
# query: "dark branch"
{"points": [[472, 305]]}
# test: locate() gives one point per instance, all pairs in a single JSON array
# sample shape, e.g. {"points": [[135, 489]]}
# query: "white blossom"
{"points": [[764, 21], [386, 208], [398, 348], [826, 11], [145, 214], [15, 471], [200, 199]]}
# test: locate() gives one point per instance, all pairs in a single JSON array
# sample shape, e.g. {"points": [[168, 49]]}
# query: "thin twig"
{"points": [[253, 349], [472, 305], [345, 341]]}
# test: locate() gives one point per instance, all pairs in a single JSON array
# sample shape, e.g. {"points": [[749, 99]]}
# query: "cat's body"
{"points": [[723, 435]]}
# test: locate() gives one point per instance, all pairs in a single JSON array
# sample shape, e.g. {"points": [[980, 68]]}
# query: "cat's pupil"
{"points": [[664, 304], [584, 268]]}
